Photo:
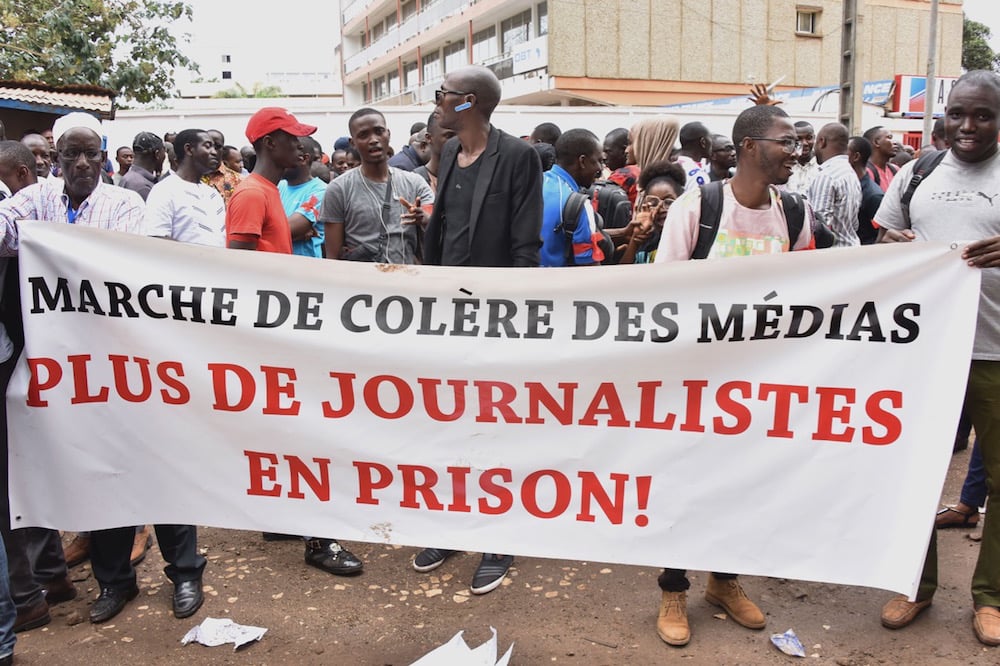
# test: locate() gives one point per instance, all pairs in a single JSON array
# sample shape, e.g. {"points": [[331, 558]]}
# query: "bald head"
{"points": [[480, 81], [831, 141]]}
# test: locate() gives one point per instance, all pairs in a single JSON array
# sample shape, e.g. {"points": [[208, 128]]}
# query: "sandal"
{"points": [[951, 517]]}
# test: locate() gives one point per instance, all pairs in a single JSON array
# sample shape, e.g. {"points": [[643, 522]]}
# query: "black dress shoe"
{"points": [[8, 660], [331, 557], [111, 602], [187, 598]]}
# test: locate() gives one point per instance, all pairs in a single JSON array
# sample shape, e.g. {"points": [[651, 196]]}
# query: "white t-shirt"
{"points": [[696, 173], [958, 201], [186, 212], [742, 231]]}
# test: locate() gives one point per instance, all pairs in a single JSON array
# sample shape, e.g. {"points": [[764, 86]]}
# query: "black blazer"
{"points": [[505, 222]]}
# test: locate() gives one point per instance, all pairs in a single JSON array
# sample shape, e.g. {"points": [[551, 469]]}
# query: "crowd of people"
{"points": [[463, 192]]}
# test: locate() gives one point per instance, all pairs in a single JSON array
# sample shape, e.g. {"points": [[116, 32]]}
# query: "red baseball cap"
{"points": [[272, 118]]}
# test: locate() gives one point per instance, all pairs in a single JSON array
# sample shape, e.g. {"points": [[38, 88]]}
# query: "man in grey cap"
{"points": [[146, 166]]}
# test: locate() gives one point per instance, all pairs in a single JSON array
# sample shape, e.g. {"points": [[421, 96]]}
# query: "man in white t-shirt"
{"points": [[752, 222], [957, 201], [696, 148], [182, 207]]}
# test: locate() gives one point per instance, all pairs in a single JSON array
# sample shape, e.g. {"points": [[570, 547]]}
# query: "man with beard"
{"points": [[958, 200], [79, 198], [753, 220], [374, 213]]}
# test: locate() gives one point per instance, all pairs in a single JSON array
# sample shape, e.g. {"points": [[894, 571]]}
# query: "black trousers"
{"points": [[110, 551]]}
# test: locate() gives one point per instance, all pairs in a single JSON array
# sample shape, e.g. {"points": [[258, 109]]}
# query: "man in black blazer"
{"points": [[498, 221], [487, 212]]}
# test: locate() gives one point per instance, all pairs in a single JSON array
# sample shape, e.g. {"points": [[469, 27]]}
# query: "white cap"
{"points": [[73, 120]]}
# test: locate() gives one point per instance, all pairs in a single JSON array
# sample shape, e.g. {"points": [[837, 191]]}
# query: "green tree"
{"points": [[124, 45], [259, 90], [976, 51]]}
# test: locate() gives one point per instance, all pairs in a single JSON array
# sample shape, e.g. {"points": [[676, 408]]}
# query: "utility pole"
{"points": [[930, 96], [850, 94]]}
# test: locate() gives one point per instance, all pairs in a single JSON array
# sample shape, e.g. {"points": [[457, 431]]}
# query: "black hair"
{"points": [[692, 133], [871, 132], [860, 145], [755, 121], [183, 138], [547, 133], [16, 154], [312, 146], [663, 170], [363, 111], [546, 153], [353, 153], [419, 126], [573, 143]]}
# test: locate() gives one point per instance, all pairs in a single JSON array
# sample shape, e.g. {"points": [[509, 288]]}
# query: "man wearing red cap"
{"points": [[256, 220]]}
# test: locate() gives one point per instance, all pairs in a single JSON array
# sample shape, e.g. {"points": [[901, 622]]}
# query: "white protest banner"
{"points": [[732, 415]]}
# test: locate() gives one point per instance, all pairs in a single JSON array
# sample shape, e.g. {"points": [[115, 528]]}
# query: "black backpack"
{"points": [[567, 226], [711, 213], [611, 203], [926, 163], [873, 172]]}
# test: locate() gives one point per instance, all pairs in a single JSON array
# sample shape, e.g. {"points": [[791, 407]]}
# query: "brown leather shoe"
{"points": [[986, 624], [143, 540], [728, 594], [32, 618], [899, 611], [672, 622], [59, 590], [78, 550]]}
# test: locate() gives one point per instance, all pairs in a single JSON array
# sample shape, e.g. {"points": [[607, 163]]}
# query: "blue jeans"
{"points": [[974, 488], [8, 613]]}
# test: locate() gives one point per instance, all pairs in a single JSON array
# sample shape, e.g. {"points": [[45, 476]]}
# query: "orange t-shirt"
{"points": [[255, 210]]}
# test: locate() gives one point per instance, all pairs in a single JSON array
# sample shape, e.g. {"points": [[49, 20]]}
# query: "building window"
{"points": [[431, 64], [408, 9], [515, 30], [392, 78], [364, 40], [227, 59], [379, 88], [807, 21], [377, 31], [454, 56], [366, 92], [543, 18], [484, 45], [390, 21], [410, 77], [226, 75]]}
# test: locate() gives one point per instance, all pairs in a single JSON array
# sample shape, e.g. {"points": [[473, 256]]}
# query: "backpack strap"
{"points": [[926, 163], [708, 221], [570, 218], [873, 172], [795, 215]]}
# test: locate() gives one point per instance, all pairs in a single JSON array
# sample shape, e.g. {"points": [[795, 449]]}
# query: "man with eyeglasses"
{"points": [[753, 221], [723, 159], [487, 212], [80, 198]]}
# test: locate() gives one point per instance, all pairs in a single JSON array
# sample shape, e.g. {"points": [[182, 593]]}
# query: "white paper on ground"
{"points": [[457, 652], [214, 631]]}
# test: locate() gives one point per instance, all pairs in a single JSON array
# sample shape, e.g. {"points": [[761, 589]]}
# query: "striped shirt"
{"points": [[835, 195], [107, 207]]}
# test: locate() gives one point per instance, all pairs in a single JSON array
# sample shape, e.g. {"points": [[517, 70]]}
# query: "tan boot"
{"points": [[729, 595], [143, 540], [672, 623], [77, 551]]}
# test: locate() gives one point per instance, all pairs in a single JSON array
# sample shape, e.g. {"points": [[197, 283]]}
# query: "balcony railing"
{"points": [[423, 20]]}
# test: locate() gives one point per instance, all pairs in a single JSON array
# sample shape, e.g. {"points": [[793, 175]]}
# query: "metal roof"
{"points": [[36, 96]]}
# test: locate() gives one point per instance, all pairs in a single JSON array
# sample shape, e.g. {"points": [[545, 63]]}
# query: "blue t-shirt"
{"points": [[557, 185], [305, 199]]}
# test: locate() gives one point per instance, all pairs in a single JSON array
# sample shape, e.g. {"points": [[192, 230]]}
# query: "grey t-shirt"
{"points": [[356, 202], [958, 201]]}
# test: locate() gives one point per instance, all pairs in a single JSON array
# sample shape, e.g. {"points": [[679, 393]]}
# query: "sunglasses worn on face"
{"points": [[439, 94]]}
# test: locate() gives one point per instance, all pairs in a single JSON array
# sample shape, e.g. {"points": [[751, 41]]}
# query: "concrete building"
{"points": [[631, 52]]}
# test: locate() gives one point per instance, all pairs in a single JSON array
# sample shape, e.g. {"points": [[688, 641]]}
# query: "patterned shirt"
{"points": [[224, 180], [107, 207], [835, 195]]}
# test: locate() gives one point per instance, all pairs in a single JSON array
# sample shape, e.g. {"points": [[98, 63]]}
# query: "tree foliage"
{"points": [[259, 90], [124, 45], [976, 51]]}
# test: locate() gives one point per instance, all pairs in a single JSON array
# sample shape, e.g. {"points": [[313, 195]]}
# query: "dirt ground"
{"points": [[554, 611]]}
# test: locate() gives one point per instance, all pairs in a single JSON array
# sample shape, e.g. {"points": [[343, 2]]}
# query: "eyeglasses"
{"points": [[439, 94], [654, 201], [73, 154], [789, 146]]}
